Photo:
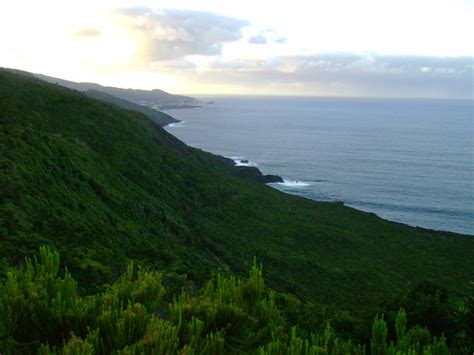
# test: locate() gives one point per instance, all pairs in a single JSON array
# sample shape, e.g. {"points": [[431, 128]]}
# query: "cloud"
{"points": [[176, 66], [353, 74], [171, 34], [267, 35], [87, 32], [258, 39]]}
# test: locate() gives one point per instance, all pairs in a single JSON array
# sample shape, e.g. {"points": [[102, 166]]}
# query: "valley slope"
{"points": [[103, 186]]}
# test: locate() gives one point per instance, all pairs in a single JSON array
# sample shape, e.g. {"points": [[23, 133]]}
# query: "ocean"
{"points": [[407, 160]]}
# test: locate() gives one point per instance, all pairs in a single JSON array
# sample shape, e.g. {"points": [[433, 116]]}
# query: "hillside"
{"points": [[104, 186]]}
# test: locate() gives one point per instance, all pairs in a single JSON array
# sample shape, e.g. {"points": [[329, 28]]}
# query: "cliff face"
{"points": [[105, 186]]}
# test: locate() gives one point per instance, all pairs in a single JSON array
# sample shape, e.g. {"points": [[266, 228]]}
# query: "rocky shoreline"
{"points": [[253, 173]]}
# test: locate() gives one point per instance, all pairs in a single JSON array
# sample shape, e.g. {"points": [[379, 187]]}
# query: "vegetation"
{"points": [[106, 186], [43, 312]]}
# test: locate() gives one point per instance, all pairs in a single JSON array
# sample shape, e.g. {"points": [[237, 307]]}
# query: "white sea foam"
{"points": [[234, 158], [240, 161], [293, 183], [173, 125]]}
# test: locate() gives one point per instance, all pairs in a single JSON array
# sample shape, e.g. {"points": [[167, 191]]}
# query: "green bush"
{"points": [[42, 312]]}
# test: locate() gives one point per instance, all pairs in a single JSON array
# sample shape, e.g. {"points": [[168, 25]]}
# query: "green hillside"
{"points": [[105, 186]]}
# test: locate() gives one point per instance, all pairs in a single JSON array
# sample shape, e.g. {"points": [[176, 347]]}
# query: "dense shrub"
{"points": [[42, 312]]}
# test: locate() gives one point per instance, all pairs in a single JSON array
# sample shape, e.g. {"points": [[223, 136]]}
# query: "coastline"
{"points": [[295, 184], [249, 170], [403, 208], [173, 124]]}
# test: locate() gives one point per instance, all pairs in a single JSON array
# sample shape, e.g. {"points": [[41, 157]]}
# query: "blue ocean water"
{"points": [[407, 160]]}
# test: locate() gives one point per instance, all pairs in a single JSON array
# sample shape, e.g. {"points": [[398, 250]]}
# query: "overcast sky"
{"points": [[398, 48]]}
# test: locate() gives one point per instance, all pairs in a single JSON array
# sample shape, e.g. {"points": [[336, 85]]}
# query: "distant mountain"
{"points": [[158, 117], [90, 90], [155, 99]]}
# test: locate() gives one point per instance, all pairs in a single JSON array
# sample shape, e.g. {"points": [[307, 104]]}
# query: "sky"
{"points": [[376, 48]]}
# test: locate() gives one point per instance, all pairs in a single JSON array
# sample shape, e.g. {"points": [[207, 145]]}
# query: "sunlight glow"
{"points": [[146, 47]]}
